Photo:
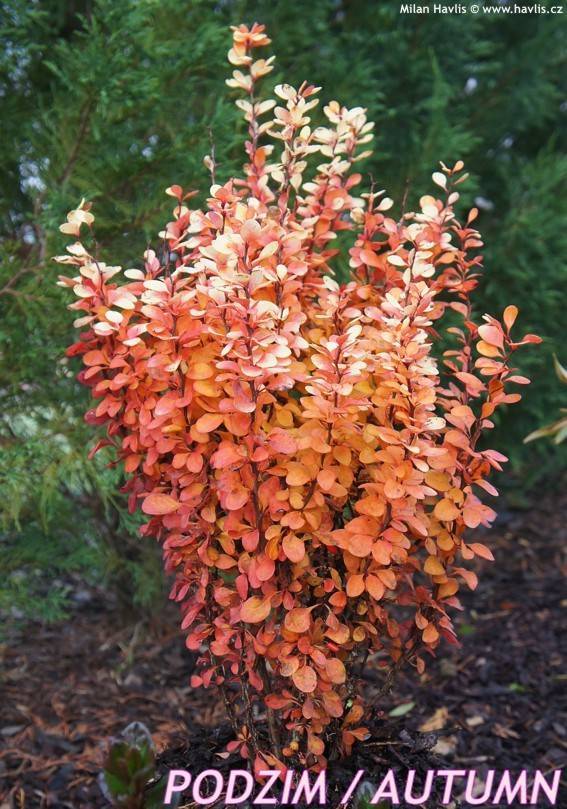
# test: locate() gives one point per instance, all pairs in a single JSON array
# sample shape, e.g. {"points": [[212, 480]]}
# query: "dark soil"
{"points": [[497, 702]]}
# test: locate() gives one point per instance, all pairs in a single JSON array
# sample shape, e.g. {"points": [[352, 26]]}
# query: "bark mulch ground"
{"points": [[497, 702]]}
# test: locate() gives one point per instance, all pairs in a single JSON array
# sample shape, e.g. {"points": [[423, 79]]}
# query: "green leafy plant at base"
{"points": [[129, 771]]}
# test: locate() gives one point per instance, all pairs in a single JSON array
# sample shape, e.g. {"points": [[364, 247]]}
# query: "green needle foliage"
{"points": [[116, 101]]}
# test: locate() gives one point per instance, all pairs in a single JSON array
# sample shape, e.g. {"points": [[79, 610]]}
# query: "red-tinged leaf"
{"points": [[106, 442], [430, 634], [360, 545], [289, 665], [387, 577], [225, 562], [487, 350], [305, 679], [297, 474], [333, 704], [393, 489], [355, 585], [492, 334], [158, 504], [363, 525], [472, 515], [227, 455], [315, 744], [481, 550], [255, 609], [236, 499], [361, 734], [326, 478], [459, 307], [94, 358], [370, 258], [209, 422], [495, 458], [298, 620], [457, 439], [473, 385], [375, 587], [468, 575], [510, 315], [338, 600], [277, 703], [487, 486], [264, 568], [280, 441], [335, 670], [250, 540], [175, 191], [294, 548]]}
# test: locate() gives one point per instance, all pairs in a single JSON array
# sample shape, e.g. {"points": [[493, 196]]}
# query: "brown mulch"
{"points": [[497, 702]]}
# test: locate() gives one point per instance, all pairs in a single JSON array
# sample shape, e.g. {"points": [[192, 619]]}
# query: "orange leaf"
{"points": [[481, 550], [305, 679], [371, 506], [255, 610], [440, 481], [510, 315], [299, 619], [430, 634], [265, 568], [433, 566], [157, 504], [393, 490], [336, 671], [370, 258], [388, 577], [360, 545], [315, 745], [446, 510], [209, 422], [363, 525], [448, 588], [355, 585], [343, 455], [277, 702], [375, 587], [294, 548], [237, 498], [227, 454], [326, 478], [297, 474], [333, 704], [487, 350], [492, 334], [473, 385]]}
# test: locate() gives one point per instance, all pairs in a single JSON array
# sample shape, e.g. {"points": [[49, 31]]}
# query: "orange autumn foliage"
{"points": [[307, 460]]}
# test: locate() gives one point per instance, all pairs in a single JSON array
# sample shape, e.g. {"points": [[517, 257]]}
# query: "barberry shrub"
{"points": [[306, 452]]}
